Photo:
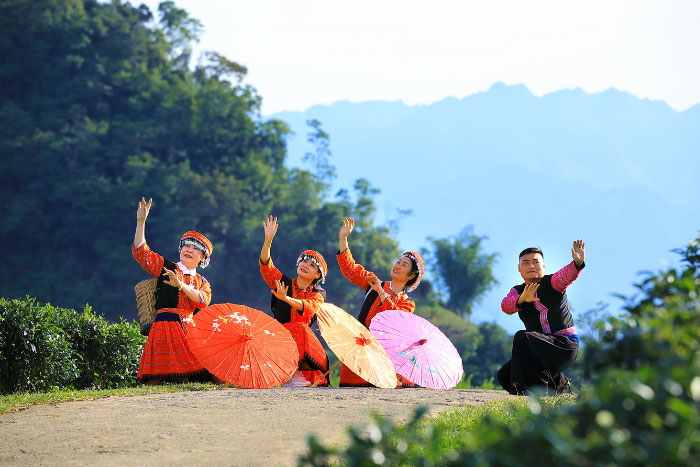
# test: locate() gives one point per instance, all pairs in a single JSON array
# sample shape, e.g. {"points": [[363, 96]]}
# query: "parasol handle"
{"points": [[416, 344], [316, 383]]}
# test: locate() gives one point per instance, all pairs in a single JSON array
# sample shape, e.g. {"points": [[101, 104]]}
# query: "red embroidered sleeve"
{"points": [[270, 273], [311, 303], [565, 276], [205, 292], [510, 303], [150, 261], [352, 271]]}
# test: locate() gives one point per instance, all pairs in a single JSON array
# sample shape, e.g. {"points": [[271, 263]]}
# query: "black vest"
{"points": [[558, 315], [166, 294], [370, 296], [282, 311]]}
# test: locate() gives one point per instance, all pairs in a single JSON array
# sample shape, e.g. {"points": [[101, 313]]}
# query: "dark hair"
{"points": [[414, 270], [532, 249]]}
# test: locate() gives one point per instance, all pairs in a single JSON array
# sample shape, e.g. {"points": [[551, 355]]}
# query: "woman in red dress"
{"points": [[294, 304], [406, 274], [180, 292]]}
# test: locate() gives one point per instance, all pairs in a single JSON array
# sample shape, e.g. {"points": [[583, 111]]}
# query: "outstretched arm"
{"points": [[352, 271], [345, 231], [578, 252], [268, 271], [270, 225], [563, 278], [150, 261], [141, 216]]}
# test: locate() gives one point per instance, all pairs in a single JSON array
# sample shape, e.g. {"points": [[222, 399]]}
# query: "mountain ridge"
{"points": [[616, 170]]}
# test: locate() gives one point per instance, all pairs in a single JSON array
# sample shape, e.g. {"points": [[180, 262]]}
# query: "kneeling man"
{"points": [[549, 343]]}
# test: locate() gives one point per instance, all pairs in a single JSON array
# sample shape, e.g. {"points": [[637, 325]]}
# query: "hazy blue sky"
{"points": [[301, 53]]}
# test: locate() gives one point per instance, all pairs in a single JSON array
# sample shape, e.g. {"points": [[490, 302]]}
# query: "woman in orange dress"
{"points": [[294, 304], [406, 274], [180, 292]]}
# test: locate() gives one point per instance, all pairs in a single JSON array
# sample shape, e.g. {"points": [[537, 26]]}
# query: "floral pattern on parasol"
{"points": [[419, 351], [242, 346], [355, 346]]}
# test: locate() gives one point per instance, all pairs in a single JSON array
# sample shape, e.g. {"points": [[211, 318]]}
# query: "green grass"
{"points": [[466, 383], [455, 424], [433, 440], [19, 401]]}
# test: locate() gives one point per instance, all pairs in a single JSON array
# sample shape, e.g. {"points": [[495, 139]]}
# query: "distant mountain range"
{"points": [[622, 173]]}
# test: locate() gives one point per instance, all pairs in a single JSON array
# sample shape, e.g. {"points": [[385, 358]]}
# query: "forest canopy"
{"points": [[99, 106]]}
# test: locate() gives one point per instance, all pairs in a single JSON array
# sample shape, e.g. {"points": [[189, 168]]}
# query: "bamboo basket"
{"points": [[146, 303]]}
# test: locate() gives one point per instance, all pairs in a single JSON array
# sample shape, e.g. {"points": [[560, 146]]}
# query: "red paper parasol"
{"points": [[355, 346], [418, 349], [243, 346]]}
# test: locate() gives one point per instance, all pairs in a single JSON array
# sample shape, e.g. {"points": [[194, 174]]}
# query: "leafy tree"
{"points": [[319, 158], [492, 351], [461, 270], [112, 113], [462, 333], [220, 66], [180, 31], [99, 106]]}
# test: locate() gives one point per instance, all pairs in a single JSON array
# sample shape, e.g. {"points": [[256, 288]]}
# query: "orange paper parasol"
{"points": [[355, 346], [243, 346]]}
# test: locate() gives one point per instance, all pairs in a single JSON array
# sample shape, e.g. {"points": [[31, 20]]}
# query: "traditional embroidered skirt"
{"points": [[166, 353], [310, 351], [350, 379]]}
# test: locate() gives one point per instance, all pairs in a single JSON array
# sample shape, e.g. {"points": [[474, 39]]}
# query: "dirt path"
{"points": [[219, 427]]}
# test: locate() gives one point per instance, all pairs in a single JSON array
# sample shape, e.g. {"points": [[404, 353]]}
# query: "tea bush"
{"points": [[44, 347]]}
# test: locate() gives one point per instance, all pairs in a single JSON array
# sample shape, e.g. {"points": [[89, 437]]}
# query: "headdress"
{"points": [[317, 258], [198, 240], [421, 268]]}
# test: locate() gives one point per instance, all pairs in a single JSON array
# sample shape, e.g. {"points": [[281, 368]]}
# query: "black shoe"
{"points": [[565, 384]]}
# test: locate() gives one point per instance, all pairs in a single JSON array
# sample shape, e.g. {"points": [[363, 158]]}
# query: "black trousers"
{"points": [[538, 359]]}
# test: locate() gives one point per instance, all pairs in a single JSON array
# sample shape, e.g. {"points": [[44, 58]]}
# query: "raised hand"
{"points": [[143, 209], [172, 278], [280, 291], [270, 225], [375, 283], [578, 252], [346, 229], [528, 294]]}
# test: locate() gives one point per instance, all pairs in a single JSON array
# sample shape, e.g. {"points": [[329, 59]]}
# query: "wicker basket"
{"points": [[146, 303]]}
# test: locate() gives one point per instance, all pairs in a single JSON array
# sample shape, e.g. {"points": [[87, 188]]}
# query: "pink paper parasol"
{"points": [[419, 351]]}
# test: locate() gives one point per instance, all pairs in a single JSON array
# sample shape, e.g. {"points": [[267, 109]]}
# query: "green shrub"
{"points": [[46, 347], [642, 407], [34, 354], [106, 354]]}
